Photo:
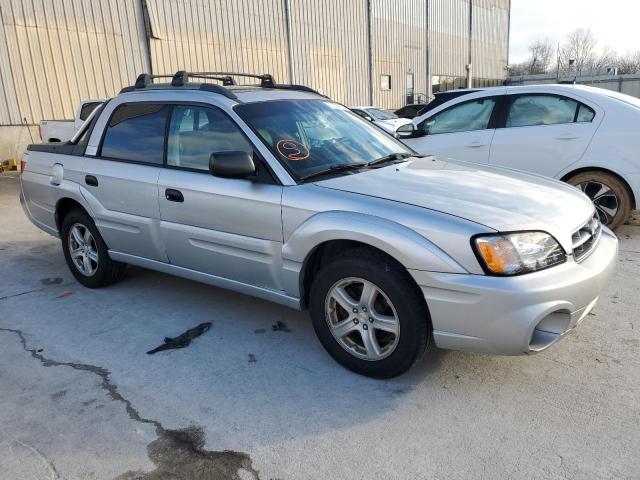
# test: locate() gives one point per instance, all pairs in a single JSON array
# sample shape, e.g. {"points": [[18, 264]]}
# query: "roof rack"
{"points": [[181, 78]]}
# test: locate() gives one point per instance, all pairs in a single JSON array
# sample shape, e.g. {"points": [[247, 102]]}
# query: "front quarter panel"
{"points": [[418, 238]]}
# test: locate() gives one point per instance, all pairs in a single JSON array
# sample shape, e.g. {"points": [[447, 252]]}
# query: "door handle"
{"points": [[475, 145], [173, 195], [91, 180], [567, 136]]}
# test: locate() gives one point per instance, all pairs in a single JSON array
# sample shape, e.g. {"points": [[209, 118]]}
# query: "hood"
{"points": [[392, 124], [498, 198]]}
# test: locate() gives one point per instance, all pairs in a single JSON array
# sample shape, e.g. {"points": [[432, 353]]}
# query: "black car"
{"points": [[410, 111]]}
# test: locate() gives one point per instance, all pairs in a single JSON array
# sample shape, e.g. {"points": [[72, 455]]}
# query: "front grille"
{"points": [[585, 238]]}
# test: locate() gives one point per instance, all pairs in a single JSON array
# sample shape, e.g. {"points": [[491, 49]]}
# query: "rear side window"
{"points": [[197, 132], [465, 117], [532, 110], [136, 133], [87, 108], [585, 114]]}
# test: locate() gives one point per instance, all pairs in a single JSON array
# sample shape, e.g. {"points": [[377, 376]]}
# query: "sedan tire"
{"points": [[369, 314], [608, 193]]}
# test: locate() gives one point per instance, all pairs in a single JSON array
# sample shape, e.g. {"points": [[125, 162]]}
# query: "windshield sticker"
{"points": [[292, 150]]}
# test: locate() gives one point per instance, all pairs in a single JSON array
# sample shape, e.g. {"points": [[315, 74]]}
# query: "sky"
{"points": [[615, 23]]}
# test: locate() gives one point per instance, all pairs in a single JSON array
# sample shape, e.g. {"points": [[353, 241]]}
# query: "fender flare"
{"points": [[408, 247]]}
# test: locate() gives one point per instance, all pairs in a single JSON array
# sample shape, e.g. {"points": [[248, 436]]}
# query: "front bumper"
{"points": [[516, 315]]}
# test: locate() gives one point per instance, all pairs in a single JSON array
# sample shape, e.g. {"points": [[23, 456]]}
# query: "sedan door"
{"points": [[227, 227], [544, 133], [463, 131]]}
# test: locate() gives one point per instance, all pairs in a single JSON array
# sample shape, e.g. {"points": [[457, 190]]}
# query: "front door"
{"points": [[230, 228], [461, 132]]}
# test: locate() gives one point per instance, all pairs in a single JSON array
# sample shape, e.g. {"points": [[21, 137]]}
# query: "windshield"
{"points": [[311, 136], [381, 114]]}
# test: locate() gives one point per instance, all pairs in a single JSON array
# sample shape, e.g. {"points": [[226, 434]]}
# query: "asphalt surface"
{"points": [[254, 398]]}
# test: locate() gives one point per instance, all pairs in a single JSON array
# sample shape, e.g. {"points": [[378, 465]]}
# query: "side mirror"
{"points": [[232, 164], [406, 131], [368, 118]]}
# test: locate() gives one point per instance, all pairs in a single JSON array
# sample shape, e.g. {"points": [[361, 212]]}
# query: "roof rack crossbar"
{"points": [[181, 78], [144, 79]]}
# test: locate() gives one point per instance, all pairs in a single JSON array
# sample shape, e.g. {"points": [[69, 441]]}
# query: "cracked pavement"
{"points": [[254, 398]]}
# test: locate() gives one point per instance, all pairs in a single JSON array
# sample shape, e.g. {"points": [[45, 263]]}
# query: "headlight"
{"points": [[518, 252]]}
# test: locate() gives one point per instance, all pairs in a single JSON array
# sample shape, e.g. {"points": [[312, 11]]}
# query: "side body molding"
{"points": [[405, 245]]}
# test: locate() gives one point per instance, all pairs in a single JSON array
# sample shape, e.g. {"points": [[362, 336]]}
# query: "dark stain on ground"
{"points": [[280, 326], [180, 454], [89, 402], [177, 454], [58, 395], [259, 331], [50, 281], [252, 358], [183, 340]]}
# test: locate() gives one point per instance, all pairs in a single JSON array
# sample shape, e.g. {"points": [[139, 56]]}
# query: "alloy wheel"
{"points": [[362, 319], [83, 249], [604, 199]]}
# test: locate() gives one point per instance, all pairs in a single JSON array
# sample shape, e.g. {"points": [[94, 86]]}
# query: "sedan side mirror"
{"points": [[406, 131], [367, 117], [232, 164]]}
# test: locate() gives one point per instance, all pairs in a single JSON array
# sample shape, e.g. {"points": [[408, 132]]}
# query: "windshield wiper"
{"points": [[389, 158], [335, 169]]}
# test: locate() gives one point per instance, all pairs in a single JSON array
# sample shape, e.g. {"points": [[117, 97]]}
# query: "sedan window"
{"points": [[466, 117], [531, 110]]}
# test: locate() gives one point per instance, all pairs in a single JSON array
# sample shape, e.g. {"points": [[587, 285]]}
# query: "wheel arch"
{"points": [[63, 207], [328, 233], [577, 171]]}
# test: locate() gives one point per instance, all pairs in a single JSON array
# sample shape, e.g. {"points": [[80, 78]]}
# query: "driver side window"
{"points": [[466, 117], [197, 132]]}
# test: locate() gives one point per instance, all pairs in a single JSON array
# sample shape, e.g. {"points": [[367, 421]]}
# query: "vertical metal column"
{"points": [[427, 52], [470, 64], [288, 29], [370, 52]]}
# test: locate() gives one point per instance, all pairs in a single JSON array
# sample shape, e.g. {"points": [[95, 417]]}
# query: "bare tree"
{"points": [[629, 63], [608, 58], [541, 52], [578, 51]]}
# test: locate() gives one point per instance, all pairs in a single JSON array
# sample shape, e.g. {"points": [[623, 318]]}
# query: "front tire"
{"points": [[369, 314], [608, 193], [86, 253]]}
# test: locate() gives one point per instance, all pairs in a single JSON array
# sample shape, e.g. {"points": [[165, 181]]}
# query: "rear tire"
{"points": [[361, 337], [86, 253], [609, 194]]}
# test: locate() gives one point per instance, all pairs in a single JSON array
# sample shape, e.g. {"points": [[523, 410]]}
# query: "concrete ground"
{"points": [[80, 399]]}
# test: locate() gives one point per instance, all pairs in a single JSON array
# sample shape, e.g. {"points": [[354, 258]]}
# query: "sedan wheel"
{"points": [[362, 319], [83, 249], [609, 194], [604, 199]]}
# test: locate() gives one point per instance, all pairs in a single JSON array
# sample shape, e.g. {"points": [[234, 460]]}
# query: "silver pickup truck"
{"points": [[277, 192]]}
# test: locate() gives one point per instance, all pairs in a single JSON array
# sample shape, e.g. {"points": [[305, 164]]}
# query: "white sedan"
{"points": [[386, 120], [585, 136]]}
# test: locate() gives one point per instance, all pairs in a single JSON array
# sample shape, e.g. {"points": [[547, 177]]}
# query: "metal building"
{"points": [[54, 53]]}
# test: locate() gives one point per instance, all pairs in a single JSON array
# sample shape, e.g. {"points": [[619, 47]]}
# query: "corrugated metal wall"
{"points": [[399, 47], [219, 35], [449, 37], [329, 48], [490, 35], [53, 53]]}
